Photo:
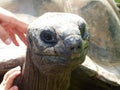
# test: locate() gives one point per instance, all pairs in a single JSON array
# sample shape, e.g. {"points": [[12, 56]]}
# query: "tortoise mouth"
{"points": [[60, 59], [46, 54], [72, 56], [52, 56], [57, 63]]}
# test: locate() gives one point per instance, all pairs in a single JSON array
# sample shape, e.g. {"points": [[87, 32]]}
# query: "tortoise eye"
{"points": [[82, 28], [84, 31], [48, 36]]}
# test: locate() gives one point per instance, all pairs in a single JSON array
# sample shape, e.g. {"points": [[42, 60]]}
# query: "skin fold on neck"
{"points": [[34, 79]]}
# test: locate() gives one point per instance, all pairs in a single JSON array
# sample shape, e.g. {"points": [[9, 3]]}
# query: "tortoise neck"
{"points": [[34, 79]]}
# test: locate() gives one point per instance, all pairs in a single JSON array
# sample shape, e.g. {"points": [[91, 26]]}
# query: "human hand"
{"points": [[11, 25], [7, 83]]}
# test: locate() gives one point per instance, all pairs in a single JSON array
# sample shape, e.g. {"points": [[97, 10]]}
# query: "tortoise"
{"points": [[104, 43], [57, 44]]}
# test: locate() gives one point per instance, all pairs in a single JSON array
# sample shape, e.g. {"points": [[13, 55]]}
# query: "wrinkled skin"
{"points": [[57, 44], [59, 35]]}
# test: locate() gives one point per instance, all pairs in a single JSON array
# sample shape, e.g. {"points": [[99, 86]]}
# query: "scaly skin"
{"points": [[57, 44]]}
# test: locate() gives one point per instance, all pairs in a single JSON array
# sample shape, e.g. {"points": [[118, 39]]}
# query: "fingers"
{"points": [[22, 37], [4, 36], [9, 79], [22, 26], [11, 71], [7, 36], [7, 27], [13, 38], [19, 28]]}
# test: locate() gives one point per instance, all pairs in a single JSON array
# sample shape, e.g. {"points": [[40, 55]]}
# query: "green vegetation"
{"points": [[118, 1], [118, 4]]}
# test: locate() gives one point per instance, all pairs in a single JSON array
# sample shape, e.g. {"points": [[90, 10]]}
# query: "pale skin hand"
{"points": [[11, 25], [7, 83]]}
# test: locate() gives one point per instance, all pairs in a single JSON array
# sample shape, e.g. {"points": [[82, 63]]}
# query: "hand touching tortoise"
{"points": [[7, 83], [10, 26]]}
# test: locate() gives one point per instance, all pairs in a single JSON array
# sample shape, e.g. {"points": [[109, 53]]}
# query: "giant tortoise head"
{"points": [[57, 44], [58, 40]]}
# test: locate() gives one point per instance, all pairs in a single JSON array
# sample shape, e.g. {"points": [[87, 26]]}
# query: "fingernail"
{"points": [[8, 41], [18, 68]]}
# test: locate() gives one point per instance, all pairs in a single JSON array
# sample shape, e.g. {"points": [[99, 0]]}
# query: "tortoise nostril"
{"points": [[75, 47], [73, 43], [79, 47], [55, 52], [71, 48]]}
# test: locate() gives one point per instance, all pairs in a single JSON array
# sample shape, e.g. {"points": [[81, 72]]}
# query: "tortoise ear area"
{"points": [[84, 31], [29, 40]]}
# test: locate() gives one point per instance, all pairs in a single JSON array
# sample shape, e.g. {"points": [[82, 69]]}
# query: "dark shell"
{"points": [[11, 56]]}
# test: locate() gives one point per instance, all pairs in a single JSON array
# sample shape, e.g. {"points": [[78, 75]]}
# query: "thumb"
{"points": [[4, 36]]}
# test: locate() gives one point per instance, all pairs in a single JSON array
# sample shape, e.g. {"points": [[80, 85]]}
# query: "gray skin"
{"points": [[57, 44]]}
